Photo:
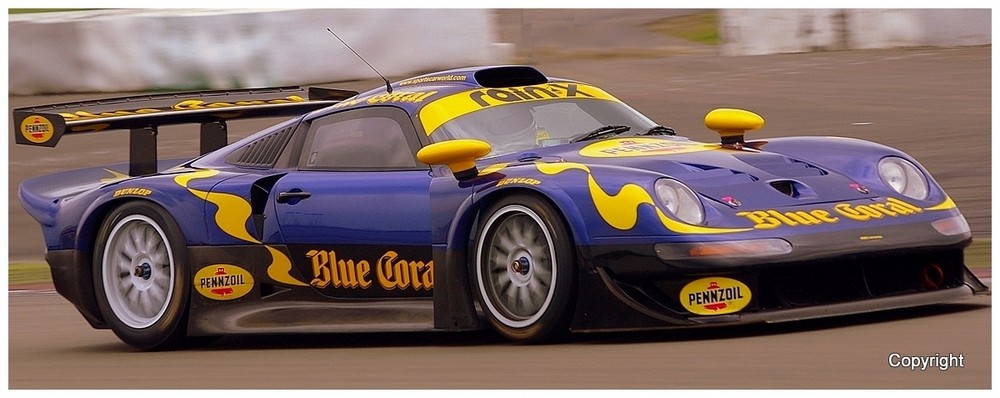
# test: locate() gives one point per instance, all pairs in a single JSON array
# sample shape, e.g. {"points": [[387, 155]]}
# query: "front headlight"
{"points": [[903, 177], [680, 200]]}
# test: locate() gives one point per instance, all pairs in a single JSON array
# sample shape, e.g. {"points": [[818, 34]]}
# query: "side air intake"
{"points": [[262, 152]]}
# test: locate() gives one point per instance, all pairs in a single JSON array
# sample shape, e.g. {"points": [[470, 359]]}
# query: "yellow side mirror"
{"points": [[459, 155], [732, 124]]}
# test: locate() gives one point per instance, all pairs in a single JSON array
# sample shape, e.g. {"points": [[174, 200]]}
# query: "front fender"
{"points": [[853, 158], [596, 200]]}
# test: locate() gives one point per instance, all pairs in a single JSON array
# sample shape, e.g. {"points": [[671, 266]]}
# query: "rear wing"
{"points": [[142, 115]]}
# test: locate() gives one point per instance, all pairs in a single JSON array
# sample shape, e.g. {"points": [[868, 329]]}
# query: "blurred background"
{"points": [[114, 50], [915, 79]]}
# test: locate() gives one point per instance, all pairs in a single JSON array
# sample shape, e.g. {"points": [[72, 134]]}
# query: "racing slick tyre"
{"points": [[141, 276], [524, 269]]}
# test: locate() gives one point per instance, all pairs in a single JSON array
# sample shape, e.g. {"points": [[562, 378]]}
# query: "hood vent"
{"points": [[708, 176], [780, 165], [793, 189]]}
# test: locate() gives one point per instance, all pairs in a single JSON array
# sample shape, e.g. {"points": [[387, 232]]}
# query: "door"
{"points": [[355, 216]]}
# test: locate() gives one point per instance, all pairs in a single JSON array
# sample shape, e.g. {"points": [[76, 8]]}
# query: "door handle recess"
{"points": [[285, 197]]}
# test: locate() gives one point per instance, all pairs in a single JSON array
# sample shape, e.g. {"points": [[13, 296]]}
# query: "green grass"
{"points": [[976, 256], [28, 273], [979, 254], [11, 11], [702, 27]]}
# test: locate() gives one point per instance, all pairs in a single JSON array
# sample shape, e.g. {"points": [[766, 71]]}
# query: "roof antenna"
{"points": [[388, 87]]}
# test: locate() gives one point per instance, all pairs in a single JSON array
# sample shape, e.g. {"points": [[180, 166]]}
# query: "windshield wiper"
{"points": [[658, 130], [613, 129]]}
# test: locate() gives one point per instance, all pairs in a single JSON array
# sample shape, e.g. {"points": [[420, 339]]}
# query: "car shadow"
{"points": [[765, 329], [488, 337]]}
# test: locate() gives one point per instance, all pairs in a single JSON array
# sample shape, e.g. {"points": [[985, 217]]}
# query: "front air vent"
{"points": [[262, 152], [793, 189], [785, 187]]}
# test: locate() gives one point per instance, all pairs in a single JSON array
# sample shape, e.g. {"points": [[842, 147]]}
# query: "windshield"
{"points": [[532, 124]]}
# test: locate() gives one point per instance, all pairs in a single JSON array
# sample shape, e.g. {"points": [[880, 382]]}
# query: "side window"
{"points": [[364, 139]]}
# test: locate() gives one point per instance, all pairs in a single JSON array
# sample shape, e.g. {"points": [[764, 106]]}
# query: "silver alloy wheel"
{"points": [[138, 271], [517, 280]]}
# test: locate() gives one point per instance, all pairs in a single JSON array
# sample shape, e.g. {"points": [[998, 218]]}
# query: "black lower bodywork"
{"points": [[618, 290], [801, 288]]}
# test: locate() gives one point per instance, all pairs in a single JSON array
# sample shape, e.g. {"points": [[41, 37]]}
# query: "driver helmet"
{"points": [[510, 124]]}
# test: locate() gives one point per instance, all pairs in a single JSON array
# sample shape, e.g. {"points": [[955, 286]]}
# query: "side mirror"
{"points": [[732, 124], [459, 155]]}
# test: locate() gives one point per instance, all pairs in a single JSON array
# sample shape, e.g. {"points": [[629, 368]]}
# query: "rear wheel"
{"points": [[141, 276], [525, 270]]}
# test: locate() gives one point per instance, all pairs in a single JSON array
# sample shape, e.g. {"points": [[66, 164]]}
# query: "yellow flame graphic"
{"points": [[231, 217], [621, 210], [280, 269], [947, 204], [115, 176], [493, 168], [233, 211]]}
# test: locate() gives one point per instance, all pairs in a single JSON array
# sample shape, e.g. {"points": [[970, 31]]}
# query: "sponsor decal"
{"points": [[223, 282], [199, 104], [37, 129], [486, 98], [190, 104], [396, 97], [434, 79], [132, 191], [633, 147], [84, 115], [771, 219], [444, 109], [518, 180], [390, 272], [715, 296]]}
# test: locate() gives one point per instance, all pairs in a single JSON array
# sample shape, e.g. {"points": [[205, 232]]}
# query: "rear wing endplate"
{"points": [[142, 115]]}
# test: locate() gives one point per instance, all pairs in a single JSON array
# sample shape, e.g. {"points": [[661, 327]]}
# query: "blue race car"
{"points": [[471, 197]]}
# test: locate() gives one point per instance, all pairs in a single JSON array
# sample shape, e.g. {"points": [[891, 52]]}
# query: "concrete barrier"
{"points": [[769, 31], [138, 50]]}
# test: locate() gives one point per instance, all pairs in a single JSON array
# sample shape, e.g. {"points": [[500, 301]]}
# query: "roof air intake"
{"points": [[510, 76]]}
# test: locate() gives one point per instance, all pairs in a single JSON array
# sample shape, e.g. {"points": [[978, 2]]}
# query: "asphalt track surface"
{"points": [[933, 103], [51, 346]]}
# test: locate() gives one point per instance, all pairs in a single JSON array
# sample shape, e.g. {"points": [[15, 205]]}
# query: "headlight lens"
{"points": [[680, 200], [903, 177]]}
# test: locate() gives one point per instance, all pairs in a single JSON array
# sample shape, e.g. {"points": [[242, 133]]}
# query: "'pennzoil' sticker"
{"points": [[632, 147], [37, 129], [715, 296], [223, 282]]}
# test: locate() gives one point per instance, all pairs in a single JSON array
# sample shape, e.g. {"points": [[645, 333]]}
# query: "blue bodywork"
{"points": [[396, 242]]}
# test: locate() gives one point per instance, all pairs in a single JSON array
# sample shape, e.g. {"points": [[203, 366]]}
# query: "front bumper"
{"points": [[632, 287]]}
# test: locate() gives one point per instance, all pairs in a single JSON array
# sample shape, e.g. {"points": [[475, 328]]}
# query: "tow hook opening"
{"points": [[933, 276]]}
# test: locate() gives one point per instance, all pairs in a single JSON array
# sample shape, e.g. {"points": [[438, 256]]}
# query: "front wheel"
{"points": [[140, 276], [525, 270]]}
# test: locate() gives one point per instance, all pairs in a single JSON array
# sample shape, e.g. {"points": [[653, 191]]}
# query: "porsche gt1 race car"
{"points": [[471, 197]]}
